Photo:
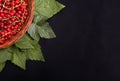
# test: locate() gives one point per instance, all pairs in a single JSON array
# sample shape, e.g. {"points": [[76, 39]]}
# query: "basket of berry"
{"points": [[15, 18], [22, 24]]}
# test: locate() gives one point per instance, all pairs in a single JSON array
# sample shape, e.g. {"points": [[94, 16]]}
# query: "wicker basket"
{"points": [[24, 28]]}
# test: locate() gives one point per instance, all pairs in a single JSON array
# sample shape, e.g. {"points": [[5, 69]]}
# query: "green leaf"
{"points": [[47, 7], [40, 19], [19, 58], [2, 65], [21, 55], [24, 43], [5, 54], [45, 31], [34, 54], [32, 31], [39, 27]]}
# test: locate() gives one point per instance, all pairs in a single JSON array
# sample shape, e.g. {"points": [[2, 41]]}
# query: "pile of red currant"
{"points": [[13, 14]]}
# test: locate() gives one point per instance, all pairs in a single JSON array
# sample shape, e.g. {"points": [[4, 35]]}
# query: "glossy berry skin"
{"points": [[13, 14]]}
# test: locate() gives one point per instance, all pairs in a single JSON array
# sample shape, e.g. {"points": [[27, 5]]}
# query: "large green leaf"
{"points": [[47, 7], [34, 54], [19, 58], [45, 31]]}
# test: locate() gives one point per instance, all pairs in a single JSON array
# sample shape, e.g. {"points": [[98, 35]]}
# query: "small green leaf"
{"points": [[2, 65], [19, 58], [40, 19], [24, 43], [32, 31], [45, 31], [47, 7]]}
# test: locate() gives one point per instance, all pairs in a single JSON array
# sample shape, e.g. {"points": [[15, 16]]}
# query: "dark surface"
{"points": [[87, 47]]}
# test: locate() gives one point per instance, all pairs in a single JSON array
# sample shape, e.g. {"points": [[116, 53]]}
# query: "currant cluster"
{"points": [[13, 14]]}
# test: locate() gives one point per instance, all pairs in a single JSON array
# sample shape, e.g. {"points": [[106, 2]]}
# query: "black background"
{"points": [[87, 47]]}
